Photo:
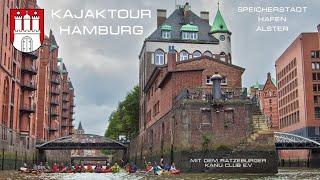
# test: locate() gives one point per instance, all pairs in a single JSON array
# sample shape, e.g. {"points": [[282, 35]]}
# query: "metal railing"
{"points": [[30, 69], [28, 86]]}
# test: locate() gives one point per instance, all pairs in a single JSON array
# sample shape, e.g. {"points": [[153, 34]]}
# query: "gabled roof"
{"points": [[176, 20]]}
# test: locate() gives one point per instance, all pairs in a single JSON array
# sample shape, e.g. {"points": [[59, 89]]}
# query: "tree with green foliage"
{"points": [[125, 119]]}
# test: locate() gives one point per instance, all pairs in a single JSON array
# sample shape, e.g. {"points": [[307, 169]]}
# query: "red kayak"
{"points": [[105, 171], [175, 172]]}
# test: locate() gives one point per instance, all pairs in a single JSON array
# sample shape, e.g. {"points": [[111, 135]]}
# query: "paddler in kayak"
{"points": [[54, 168], [77, 168], [63, 168], [149, 167], [89, 168], [173, 169], [115, 168], [157, 169], [134, 168], [24, 169]]}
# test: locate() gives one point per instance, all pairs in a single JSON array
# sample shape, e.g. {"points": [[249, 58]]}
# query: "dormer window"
{"points": [[189, 32], [166, 31]]}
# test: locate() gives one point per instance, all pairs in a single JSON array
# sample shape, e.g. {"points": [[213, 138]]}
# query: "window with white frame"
{"points": [[224, 81], [184, 55], [159, 57], [222, 56], [189, 35], [166, 34], [196, 54]]}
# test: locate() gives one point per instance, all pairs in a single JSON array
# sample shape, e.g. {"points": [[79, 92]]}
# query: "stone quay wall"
{"points": [[199, 129]]}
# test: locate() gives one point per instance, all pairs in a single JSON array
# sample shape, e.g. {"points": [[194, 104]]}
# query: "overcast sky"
{"points": [[104, 68]]}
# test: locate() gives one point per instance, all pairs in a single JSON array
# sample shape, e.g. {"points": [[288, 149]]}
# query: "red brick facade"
{"points": [[298, 81], [269, 103], [55, 99], [30, 89], [168, 81]]}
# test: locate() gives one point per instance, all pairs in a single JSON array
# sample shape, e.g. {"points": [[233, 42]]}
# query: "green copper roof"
{"points": [[64, 71], [190, 28], [60, 59], [219, 25], [257, 85], [166, 27], [53, 47]]}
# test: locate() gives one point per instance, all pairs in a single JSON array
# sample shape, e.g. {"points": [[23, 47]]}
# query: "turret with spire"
{"points": [[80, 130], [220, 31]]}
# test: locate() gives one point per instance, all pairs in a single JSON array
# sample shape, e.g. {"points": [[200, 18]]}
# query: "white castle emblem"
{"points": [[27, 39]]}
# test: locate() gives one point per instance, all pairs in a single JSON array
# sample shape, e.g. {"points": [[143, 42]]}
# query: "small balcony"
{"points": [[55, 81], [72, 112], [55, 70], [28, 86], [73, 105], [24, 108], [29, 69], [65, 116], [65, 107], [53, 126], [54, 102], [32, 55], [64, 124], [55, 92], [54, 114]]}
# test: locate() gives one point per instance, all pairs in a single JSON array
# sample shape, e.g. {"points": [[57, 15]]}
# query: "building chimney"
{"points": [[269, 75], [172, 59], [205, 16], [216, 86], [186, 12], [161, 16]]}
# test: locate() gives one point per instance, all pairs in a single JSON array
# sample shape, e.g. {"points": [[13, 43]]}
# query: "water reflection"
{"points": [[283, 174]]}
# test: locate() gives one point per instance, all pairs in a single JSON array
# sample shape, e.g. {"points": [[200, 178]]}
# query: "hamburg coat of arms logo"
{"points": [[27, 29]]}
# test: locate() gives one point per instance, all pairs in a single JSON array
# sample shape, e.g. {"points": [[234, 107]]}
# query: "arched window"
{"points": [[5, 104], [207, 53], [196, 54], [184, 55], [222, 56], [159, 57], [230, 58]]}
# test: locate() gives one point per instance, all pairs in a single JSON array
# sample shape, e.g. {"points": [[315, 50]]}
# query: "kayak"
{"points": [[175, 172], [105, 171]]}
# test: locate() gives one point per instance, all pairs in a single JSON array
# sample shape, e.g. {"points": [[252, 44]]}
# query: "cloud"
{"points": [[103, 69]]}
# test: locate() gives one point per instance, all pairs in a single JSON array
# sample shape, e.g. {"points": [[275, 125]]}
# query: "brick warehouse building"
{"points": [[194, 39], [178, 119], [56, 98], [24, 87], [268, 98], [298, 75]]}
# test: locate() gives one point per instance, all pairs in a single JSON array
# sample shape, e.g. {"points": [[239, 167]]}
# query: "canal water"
{"points": [[288, 174]]}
